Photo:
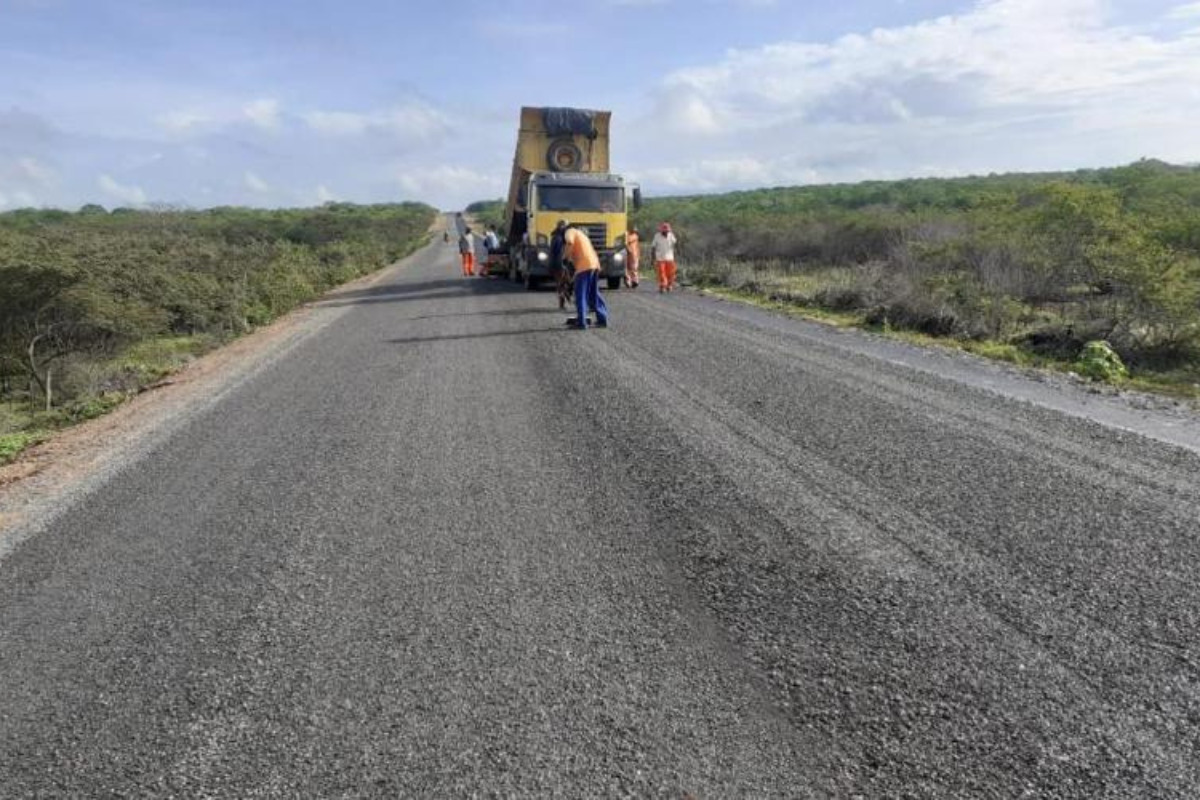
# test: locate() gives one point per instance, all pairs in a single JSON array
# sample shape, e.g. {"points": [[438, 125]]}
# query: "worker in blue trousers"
{"points": [[577, 249]]}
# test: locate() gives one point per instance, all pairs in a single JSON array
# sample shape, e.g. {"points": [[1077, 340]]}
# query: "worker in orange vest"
{"points": [[633, 255], [577, 249]]}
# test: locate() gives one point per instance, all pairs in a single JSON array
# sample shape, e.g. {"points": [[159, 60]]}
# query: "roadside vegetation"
{"points": [[96, 305], [1027, 268], [488, 212]]}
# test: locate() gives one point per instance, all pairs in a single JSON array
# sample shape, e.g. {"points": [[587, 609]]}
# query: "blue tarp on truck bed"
{"points": [[569, 122]]}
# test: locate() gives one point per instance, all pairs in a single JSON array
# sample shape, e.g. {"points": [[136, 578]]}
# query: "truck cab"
{"points": [[594, 203]]}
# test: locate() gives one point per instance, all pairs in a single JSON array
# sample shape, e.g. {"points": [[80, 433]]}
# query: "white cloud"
{"points": [[1187, 11], [338, 123], [18, 199], [450, 181], [263, 113], [134, 195], [324, 195], [1003, 53], [25, 172], [183, 121], [687, 111], [34, 172], [1008, 84], [254, 183], [206, 117], [411, 123], [727, 173]]}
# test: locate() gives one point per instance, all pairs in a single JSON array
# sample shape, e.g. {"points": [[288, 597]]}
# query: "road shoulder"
{"points": [[50, 477]]}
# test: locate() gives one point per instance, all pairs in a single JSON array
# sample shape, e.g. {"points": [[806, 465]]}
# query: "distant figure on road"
{"points": [[578, 250], [663, 248], [633, 256], [446, 236], [466, 248]]}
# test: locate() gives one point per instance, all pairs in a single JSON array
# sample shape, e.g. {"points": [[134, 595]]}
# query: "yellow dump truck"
{"points": [[561, 171]]}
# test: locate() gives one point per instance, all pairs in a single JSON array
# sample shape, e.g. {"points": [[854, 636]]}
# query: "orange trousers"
{"points": [[468, 264], [666, 275]]}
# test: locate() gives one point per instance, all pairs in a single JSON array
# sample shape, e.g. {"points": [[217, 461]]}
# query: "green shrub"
{"points": [[11, 444], [1100, 362]]}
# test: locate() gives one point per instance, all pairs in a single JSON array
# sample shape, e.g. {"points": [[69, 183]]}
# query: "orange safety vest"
{"points": [[580, 252]]}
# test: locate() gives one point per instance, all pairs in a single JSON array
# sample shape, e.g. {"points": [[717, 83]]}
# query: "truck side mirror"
{"points": [[637, 198]]}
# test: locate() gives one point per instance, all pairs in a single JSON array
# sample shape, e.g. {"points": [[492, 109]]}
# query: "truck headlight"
{"points": [[543, 256], [619, 258]]}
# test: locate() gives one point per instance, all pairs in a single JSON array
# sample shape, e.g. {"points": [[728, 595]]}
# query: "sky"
{"points": [[302, 102]]}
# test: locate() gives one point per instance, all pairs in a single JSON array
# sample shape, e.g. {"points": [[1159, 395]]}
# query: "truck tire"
{"points": [[564, 156], [531, 283], [614, 283]]}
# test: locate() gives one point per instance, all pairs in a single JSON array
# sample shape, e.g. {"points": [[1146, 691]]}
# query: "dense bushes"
{"points": [[489, 213], [79, 292], [1048, 262]]}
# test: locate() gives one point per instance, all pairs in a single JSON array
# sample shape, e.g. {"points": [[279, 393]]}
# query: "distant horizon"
{"points": [[168, 207]]}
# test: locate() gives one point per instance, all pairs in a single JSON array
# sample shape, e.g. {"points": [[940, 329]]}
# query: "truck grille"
{"points": [[597, 234]]}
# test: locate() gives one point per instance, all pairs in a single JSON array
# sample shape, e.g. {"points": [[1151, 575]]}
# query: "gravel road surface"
{"points": [[448, 547]]}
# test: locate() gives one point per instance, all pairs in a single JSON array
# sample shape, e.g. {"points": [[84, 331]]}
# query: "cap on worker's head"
{"points": [[562, 223], [665, 227]]}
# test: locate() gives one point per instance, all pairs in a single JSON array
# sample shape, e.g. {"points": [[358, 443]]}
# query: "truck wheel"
{"points": [[614, 283], [531, 282], [564, 156]]}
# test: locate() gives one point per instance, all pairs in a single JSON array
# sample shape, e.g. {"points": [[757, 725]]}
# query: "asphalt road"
{"points": [[449, 548]]}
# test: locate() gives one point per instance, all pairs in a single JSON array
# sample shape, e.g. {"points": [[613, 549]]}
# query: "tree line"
{"points": [[78, 291]]}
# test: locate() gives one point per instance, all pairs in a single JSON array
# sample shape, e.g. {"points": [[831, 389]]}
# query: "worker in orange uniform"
{"points": [[577, 249], [663, 248], [466, 248], [633, 255]]}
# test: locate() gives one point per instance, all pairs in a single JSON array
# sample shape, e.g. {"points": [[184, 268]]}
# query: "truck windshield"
{"points": [[581, 198]]}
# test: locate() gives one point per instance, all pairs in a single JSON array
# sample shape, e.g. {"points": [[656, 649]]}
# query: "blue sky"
{"points": [[269, 103]]}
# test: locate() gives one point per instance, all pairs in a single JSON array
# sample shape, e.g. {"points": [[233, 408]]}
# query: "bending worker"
{"points": [[579, 251]]}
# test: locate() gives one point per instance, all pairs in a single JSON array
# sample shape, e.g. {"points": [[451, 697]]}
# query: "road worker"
{"points": [[633, 256], [466, 248], [663, 248], [578, 250], [490, 240]]}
